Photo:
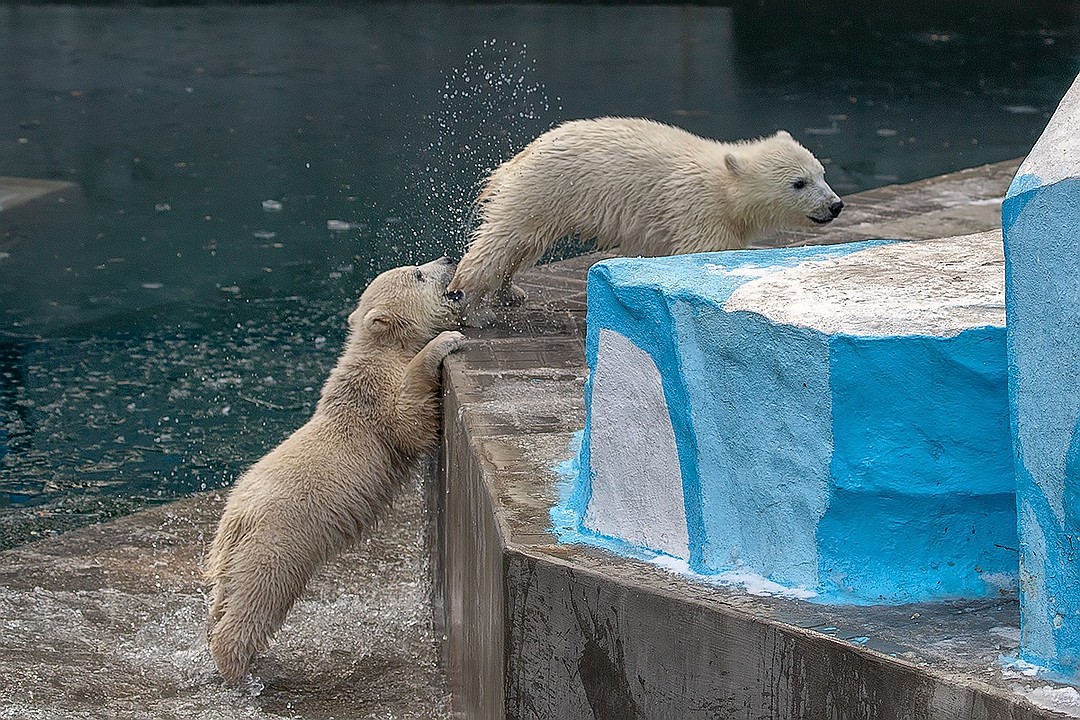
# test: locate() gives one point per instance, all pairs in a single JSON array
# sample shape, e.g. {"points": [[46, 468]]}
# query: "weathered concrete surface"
{"points": [[108, 622], [579, 633]]}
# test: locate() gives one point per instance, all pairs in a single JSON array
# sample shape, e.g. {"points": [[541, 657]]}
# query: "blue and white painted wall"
{"points": [[833, 419], [1041, 223]]}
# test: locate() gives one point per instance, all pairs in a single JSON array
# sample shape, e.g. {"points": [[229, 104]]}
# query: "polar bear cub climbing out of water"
{"points": [[637, 187], [329, 482]]}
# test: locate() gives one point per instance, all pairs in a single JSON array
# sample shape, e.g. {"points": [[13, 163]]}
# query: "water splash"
{"points": [[488, 108]]}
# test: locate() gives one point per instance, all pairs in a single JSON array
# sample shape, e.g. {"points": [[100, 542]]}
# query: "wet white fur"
{"points": [[637, 187], [329, 482]]}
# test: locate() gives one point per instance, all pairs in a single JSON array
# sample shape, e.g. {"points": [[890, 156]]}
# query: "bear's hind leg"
{"points": [[252, 602], [509, 295]]}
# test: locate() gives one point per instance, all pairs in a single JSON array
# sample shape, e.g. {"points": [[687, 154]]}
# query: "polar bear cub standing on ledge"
{"points": [[638, 187], [328, 482]]}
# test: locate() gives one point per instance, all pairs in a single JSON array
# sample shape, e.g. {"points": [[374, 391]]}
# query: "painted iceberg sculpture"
{"points": [[833, 419]]}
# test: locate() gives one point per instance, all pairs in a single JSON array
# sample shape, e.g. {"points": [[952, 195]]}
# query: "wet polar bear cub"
{"points": [[329, 481], [641, 188]]}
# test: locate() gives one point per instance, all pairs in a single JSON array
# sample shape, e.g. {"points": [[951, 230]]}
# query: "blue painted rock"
{"points": [[829, 418], [1041, 220]]}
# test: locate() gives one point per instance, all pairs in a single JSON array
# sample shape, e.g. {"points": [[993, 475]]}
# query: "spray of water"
{"points": [[489, 107]]}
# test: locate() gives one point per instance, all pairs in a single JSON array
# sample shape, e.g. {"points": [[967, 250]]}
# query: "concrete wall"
{"points": [[539, 630], [1041, 222]]}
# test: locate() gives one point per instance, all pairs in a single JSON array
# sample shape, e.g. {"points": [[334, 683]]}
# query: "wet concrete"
{"points": [[108, 621], [538, 629]]}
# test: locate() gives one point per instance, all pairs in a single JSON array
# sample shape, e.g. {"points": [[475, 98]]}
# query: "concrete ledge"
{"points": [[537, 629]]}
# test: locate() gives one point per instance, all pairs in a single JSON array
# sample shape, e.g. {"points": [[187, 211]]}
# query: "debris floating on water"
{"points": [[271, 205], [1021, 109]]}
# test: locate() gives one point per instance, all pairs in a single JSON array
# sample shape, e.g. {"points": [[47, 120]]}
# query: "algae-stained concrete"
{"points": [[109, 622], [580, 633]]}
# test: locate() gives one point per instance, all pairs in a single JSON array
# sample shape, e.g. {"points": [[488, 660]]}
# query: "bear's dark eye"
{"points": [[419, 276], [799, 184]]}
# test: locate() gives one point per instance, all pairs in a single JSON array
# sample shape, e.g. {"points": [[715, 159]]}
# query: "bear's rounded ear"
{"points": [[377, 320], [732, 163], [784, 134]]}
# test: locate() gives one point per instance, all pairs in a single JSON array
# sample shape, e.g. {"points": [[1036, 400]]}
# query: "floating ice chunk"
{"points": [[163, 207], [340, 225], [1020, 109], [152, 285], [886, 132], [264, 234], [831, 130], [271, 205]]}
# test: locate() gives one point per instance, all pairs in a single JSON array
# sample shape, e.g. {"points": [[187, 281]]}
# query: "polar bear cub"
{"points": [[328, 482], [638, 187]]}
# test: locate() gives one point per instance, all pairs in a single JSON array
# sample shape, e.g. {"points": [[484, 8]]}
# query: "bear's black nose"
{"points": [[836, 207], [446, 260]]}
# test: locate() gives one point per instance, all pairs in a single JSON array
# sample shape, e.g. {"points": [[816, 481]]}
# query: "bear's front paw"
{"points": [[447, 342]]}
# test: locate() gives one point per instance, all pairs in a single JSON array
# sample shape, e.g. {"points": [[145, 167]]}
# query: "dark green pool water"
{"points": [[165, 330]]}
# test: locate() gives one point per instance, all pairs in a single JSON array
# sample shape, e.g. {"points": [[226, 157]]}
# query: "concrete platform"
{"points": [[538, 629]]}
